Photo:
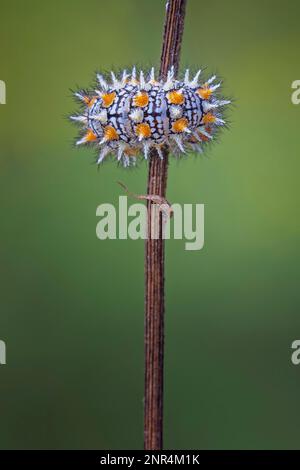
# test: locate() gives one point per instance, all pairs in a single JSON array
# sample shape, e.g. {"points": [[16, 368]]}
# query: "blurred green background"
{"points": [[72, 305]]}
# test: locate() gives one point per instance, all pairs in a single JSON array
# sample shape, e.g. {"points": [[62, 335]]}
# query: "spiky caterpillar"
{"points": [[133, 114]]}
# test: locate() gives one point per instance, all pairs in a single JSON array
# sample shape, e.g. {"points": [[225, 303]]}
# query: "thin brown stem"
{"points": [[154, 256]]}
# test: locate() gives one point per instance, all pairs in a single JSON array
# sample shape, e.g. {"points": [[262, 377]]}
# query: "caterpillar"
{"points": [[132, 114]]}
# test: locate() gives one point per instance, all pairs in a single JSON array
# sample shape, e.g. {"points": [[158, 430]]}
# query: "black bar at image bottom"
{"points": [[136, 458]]}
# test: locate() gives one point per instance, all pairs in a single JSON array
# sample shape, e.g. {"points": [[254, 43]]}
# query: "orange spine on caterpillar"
{"points": [[130, 115]]}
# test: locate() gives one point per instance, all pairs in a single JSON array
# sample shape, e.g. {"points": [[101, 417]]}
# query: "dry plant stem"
{"points": [[154, 259]]}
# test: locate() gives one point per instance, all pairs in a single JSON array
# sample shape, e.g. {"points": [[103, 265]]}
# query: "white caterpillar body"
{"points": [[133, 114]]}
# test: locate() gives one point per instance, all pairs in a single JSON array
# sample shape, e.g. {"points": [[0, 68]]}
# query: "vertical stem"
{"points": [[154, 256]]}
